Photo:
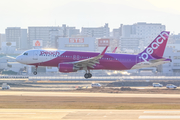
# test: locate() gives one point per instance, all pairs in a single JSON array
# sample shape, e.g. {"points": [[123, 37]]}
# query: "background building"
{"points": [[130, 44], [2, 39], [144, 32], [101, 43], [18, 35], [96, 32], [23, 39], [8, 47], [77, 43], [117, 33], [174, 39], [172, 51], [39, 33], [49, 35]]}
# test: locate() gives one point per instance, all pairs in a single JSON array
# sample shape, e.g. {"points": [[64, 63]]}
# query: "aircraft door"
{"points": [[35, 55]]}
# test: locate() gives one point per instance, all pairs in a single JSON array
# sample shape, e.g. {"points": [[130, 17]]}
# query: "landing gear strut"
{"points": [[88, 75], [35, 72]]}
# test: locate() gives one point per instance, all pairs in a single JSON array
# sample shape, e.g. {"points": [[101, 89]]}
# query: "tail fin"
{"points": [[114, 50], [157, 47]]}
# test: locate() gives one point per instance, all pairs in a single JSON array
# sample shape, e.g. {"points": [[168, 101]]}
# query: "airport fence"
{"points": [[94, 78]]}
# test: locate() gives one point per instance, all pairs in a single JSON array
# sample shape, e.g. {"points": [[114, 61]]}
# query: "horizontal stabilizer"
{"points": [[156, 60]]}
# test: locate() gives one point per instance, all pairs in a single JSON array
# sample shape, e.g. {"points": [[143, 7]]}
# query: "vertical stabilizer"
{"points": [[157, 47]]}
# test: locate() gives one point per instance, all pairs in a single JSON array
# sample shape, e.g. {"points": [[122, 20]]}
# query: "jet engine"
{"points": [[66, 68]]}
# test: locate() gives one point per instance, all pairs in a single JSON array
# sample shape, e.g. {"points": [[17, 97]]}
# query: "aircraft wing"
{"points": [[90, 62]]}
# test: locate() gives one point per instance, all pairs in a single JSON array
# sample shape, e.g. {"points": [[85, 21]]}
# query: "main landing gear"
{"points": [[88, 75], [35, 72]]}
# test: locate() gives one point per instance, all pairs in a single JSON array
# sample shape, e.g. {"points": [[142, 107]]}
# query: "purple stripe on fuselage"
{"points": [[127, 60]]}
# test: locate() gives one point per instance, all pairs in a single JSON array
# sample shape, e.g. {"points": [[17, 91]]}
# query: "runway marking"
{"points": [[159, 117], [162, 112]]}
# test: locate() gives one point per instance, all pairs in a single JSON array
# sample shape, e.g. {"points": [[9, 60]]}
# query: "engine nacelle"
{"points": [[66, 68]]}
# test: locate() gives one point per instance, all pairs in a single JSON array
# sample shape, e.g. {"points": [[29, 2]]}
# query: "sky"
{"points": [[89, 13]]}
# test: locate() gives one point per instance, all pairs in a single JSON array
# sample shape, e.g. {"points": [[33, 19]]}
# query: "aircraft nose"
{"points": [[18, 59]]}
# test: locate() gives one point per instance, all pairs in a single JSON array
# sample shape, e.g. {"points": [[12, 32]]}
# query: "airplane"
{"points": [[72, 61]]}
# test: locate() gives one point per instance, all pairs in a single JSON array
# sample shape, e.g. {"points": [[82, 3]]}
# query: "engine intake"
{"points": [[66, 68]]}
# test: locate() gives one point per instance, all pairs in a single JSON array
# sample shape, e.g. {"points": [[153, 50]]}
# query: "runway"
{"points": [[27, 105], [85, 114], [74, 94]]}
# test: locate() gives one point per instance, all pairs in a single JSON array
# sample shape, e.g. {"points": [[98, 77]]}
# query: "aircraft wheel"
{"points": [[35, 72], [90, 75], [86, 75]]}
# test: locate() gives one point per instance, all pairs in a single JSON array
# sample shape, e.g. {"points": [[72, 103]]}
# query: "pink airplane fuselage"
{"points": [[109, 61]]}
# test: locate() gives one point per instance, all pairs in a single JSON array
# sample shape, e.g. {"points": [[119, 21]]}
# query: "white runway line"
{"points": [[171, 112], [159, 117]]}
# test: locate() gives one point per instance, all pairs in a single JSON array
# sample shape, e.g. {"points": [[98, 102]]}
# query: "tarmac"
{"points": [[73, 94], [85, 114]]}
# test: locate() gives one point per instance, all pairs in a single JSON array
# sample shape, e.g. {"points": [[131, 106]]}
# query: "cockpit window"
{"points": [[25, 54]]}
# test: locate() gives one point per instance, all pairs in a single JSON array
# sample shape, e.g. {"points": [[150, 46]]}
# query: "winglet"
{"points": [[114, 50], [103, 52]]}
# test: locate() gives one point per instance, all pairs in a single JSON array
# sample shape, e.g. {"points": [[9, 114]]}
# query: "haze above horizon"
{"points": [[89, 13]]}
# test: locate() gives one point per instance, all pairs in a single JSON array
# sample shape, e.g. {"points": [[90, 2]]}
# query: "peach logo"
{"points": [[159, 40], [37, 43]]}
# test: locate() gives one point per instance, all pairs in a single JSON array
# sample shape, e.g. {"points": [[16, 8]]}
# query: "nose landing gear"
{"points": [[35, 72]]}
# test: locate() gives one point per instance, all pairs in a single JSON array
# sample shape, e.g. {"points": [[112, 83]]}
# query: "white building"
{"points": [[174, 39], [23, 39], [39, 33], [2, 39], [8, 47], [4, 61], [76, 43], [96, 31], [130, 44], [101, 43], [69, 31], [18, 35], [49, 35], [145, 32], [172, 51], [53, 36], [117, 33]]}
